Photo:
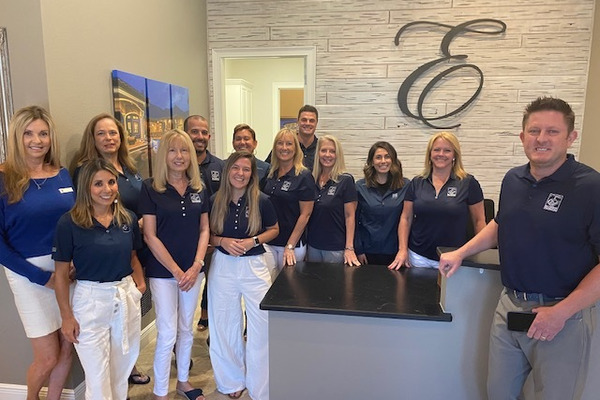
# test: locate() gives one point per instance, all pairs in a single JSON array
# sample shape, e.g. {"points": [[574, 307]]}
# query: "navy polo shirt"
{"points": [[327, 224], [309, 154], [129, 184], [549, 230], [377, 218], [440, 220], [285, 194], [262, 168], [99, 254], [211, 170], [177, 224], [236, 222]]}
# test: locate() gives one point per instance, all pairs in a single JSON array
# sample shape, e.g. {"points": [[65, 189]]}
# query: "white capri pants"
{"points": [[277, 252], [417, 260], [235, 367], [109, 339], [174, 323]]}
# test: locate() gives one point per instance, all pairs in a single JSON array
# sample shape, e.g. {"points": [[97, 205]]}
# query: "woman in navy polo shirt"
{"points": [[104, 137], [242, 219], [291, 188], [34, 192], [437, 206], [332, 223], [100, 237], [380, 203], [175, 210]]}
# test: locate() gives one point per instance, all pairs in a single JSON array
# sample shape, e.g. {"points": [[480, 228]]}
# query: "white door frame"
{"points": [[218, 66], [277, 86]]}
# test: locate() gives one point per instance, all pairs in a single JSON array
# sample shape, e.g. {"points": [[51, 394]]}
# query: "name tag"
{"points": [[65, 190]]}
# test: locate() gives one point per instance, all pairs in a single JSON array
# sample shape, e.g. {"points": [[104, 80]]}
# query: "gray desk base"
{"points": [[332, 356]]}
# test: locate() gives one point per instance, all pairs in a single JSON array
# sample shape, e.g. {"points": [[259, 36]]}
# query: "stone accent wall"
{"points": [[545, 50]]}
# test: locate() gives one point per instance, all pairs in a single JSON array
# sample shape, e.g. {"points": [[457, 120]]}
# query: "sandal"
{"points": [[138, 379], [190, 394], [202, 325], [236, 395]]}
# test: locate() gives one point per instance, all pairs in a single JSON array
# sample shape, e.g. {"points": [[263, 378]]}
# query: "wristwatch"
{"points": [[289, 246], [256, 241]]}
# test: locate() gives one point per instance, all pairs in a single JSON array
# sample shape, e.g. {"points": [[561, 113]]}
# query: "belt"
{"points": [[537, 297]]}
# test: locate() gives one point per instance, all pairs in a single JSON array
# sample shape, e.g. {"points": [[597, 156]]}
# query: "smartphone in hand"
{"points": [[519, 321]]}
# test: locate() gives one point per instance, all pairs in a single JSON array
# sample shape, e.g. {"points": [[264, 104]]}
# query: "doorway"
{"points": [[247, 85]]}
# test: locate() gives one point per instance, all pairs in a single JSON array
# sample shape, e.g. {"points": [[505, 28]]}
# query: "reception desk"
{"points": [[360, 333]]}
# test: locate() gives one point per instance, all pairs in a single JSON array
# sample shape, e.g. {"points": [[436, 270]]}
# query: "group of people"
{"points": [[241, 220]]}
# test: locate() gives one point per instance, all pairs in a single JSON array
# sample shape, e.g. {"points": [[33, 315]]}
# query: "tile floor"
{"points": [[201, 375]]}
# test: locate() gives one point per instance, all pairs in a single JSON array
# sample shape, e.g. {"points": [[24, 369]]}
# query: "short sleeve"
{"points": [[63, 239], [475, 193], [267, 211], [146, 205], [349, 194], [410, 190], [307, 190]]}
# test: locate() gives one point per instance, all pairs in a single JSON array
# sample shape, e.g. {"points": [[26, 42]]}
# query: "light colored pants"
{"points": [[326, 256], [235, 368], [558, 367], [277, 252], [109, 338], [174, 323], [417, 260]]}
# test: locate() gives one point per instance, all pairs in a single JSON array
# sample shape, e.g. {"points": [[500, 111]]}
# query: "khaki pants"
{"points": [[558, 367]]}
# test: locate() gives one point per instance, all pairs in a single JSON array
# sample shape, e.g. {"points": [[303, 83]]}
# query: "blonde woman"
{"points": [[242, 219], [175, 210], [332, 223], [291, 188], [100, 237], [34, 192], [437, 206]]}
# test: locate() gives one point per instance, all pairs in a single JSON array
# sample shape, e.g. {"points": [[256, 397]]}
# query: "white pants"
{"points": [[109, 338], [174, 322], [417, 260], [277, 252], [235, 368]]}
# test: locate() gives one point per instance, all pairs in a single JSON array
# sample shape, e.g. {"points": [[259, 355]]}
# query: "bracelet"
{"points": [[349, 248], [201, 262]]}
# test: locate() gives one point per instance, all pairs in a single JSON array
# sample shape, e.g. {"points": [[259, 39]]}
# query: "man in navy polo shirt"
{"points": [[308, 118], [548, 234], [211, 168], [244, 138]]}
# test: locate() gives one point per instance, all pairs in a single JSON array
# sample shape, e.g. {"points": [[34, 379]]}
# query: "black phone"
{"points": [[519, 321]]}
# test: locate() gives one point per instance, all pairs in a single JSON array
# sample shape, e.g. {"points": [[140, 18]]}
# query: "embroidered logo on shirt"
{"points": [[286, 186], [331, 190], [394, 195], [215, 176], [247, 212], [451, 192], [125, 228], [195, 198], [553, 202]]}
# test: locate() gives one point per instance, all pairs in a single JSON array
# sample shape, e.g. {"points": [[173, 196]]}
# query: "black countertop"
{"points": [[368, 290], [487, 259]]}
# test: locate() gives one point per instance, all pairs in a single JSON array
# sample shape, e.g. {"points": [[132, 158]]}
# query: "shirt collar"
{"points": [[561, 174]]}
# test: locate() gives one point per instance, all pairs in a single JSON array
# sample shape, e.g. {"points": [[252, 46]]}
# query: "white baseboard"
{"points": [[10, 391]]}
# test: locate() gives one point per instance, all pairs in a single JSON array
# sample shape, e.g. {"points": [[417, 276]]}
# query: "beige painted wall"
{"points": [[61, 56], [590, 142], [84, 41]]}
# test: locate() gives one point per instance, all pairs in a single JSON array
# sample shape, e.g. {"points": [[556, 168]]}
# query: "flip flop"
{"points": [[190, 394], [138, 379]]}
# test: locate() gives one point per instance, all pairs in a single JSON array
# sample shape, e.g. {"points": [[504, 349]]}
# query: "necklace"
{"points": [[39, 185]]}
